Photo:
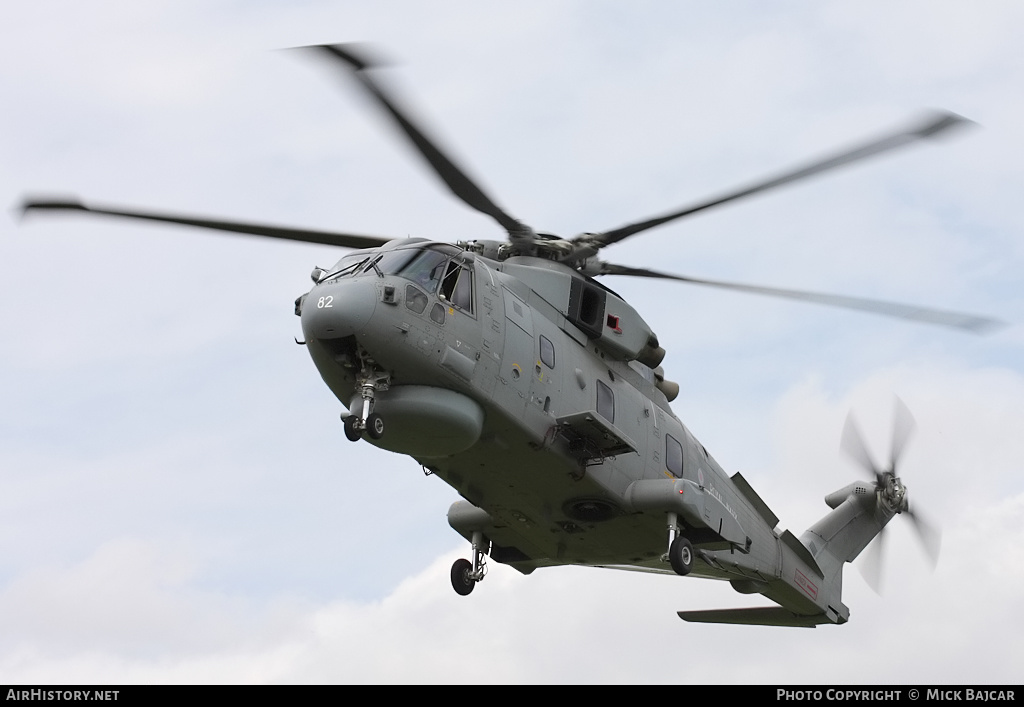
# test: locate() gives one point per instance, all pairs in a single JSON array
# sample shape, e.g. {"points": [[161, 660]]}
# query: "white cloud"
{"points": [[136, 612]]}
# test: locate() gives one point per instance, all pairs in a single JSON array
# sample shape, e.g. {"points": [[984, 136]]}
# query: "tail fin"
{"points": [[858, 515]]}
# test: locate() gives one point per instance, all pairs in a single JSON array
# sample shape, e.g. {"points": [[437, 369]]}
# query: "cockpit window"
{"points": [[424, 266], [394, 261], [425, 269], [457, 286], [349, 265]]}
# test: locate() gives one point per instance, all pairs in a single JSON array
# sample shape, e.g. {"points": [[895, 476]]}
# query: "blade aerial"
{"points": [[955, 320], [344, 240], [454, 177], [933, 125]]}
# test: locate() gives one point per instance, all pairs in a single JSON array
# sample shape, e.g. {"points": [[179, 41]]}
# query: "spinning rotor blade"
{"points": [[345, 240], [903, 425], [853, 444], [955, 320], [935, 124], [458, 181], [872, 567], [928, 534]]}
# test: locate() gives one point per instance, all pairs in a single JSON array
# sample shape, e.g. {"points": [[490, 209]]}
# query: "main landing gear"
{"points": [[680, 551], [367, 421], [466, 574]]}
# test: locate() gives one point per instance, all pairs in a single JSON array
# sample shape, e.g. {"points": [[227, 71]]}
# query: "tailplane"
{"points": [[759, 616]]}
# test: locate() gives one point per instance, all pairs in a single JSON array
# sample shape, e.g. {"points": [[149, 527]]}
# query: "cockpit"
{"points": [[422, 265], [434, 269]]}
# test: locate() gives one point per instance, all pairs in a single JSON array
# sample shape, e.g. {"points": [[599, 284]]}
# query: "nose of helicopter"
{"points": [[338, 309]]}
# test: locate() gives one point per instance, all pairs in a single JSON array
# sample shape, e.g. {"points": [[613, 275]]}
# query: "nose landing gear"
{"points": [[373, 426], [367, 421]]}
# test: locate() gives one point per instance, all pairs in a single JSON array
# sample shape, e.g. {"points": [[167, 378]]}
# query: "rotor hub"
{"points": [[892, 493]]}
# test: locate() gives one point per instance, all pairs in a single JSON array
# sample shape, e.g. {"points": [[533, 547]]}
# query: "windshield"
{"points": [[424, 266], [349, 265]]}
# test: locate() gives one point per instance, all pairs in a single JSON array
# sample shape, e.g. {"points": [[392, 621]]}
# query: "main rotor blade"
{"points": [[344, 240], [933, 125], [955, 320], [457, 180]]}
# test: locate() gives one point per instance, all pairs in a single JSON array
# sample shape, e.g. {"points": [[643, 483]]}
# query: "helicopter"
{"points": [[507, 369]]}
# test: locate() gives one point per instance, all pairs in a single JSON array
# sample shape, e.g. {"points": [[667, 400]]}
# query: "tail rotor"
{"points": [[890, 491]]}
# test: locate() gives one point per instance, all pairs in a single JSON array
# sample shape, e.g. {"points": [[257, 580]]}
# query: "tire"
{"points": [[680, 556], [461, 582], [375, 426], [350, 428]]}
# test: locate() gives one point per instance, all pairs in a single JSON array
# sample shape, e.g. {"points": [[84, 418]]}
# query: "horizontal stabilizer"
{"points": [[758, 616]]}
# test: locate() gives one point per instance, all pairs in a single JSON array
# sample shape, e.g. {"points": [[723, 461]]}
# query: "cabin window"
{"points": [[547, 351], [457, 287], [437, 313], [674, 456], [605, 402]]}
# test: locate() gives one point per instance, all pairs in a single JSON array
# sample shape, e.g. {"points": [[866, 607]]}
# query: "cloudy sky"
{"points": [[178, 502]]}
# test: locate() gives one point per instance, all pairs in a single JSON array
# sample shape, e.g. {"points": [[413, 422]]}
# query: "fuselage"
{"points": [[519, 384]]}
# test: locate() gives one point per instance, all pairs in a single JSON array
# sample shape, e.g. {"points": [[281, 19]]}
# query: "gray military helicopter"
{"points": [[537, 393]]}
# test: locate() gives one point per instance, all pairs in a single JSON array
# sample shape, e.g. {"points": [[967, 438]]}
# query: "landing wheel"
{"points": [[375, 426], [350, 428], [680, 556], [462, 581]]}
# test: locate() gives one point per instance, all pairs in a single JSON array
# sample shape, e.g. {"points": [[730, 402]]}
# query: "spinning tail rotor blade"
{"points": [[902, 428], [344, 240], [872, 567], [355, 61], [955, 320], [890, 492], [873, 563], [928, 534], [853, 444], [929, 127]]}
